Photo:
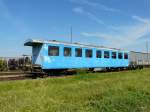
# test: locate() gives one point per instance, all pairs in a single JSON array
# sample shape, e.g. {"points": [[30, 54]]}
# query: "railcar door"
{"points": [[36, 49]]}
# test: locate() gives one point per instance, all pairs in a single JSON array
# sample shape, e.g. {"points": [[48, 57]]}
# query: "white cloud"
{"points": [[95, 5], [91, 16], [119, 36], [138, 18], [99, 35], [126, 36], [78, 10]]}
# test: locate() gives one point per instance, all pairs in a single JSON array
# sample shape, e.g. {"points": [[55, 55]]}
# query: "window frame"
{"points": [[126, 55], [97, 53], [108, 54], [86, 51], [119, 55], [70, 51], [112, 56], [53, 46], [78, 52]]}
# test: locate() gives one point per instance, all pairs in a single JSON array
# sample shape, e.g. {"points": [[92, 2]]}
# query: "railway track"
{"points": [[6, 76]]}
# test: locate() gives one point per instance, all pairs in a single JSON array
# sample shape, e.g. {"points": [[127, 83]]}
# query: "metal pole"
{"points": [[147, 52]]}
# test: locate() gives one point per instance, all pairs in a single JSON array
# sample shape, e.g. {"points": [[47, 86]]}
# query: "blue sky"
{"points": [[112, 23]]}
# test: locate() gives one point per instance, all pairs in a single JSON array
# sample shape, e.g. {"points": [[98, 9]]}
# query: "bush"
{"points": [[3, 65]]}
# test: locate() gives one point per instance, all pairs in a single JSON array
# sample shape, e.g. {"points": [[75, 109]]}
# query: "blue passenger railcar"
{"points": [[62, 55]]}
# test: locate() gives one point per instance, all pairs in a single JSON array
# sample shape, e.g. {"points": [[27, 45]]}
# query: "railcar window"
{"points": [[125, 55], [67, 51], [114, 55], [88, 53], [78, 52], [106, 54], [120, 55], [53, 51], [99, 54]]}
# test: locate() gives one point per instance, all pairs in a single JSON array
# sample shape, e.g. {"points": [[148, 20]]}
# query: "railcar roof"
{"points": [[137, 52], [31, 42]]}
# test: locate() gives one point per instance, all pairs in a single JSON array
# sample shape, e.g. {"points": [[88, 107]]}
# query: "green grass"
{"points": [[127, 91]]}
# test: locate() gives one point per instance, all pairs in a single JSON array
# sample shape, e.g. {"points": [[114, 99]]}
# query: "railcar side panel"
{"points": [[62, 62]]}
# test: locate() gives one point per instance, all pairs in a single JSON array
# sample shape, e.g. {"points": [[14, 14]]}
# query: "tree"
{"points": [[3, 65]]}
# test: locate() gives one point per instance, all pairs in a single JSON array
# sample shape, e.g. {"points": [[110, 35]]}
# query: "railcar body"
{"points": [[139, 58], [61, 55]]}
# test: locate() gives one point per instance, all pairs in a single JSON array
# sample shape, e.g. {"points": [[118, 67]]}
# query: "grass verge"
{"points": [[127, 91]]}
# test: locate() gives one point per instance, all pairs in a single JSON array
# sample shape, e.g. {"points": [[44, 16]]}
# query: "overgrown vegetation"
{"points": [[127, 91], [3, 65]]}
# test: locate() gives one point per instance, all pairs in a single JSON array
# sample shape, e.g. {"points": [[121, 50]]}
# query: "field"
{"points": [[127, 91]]}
